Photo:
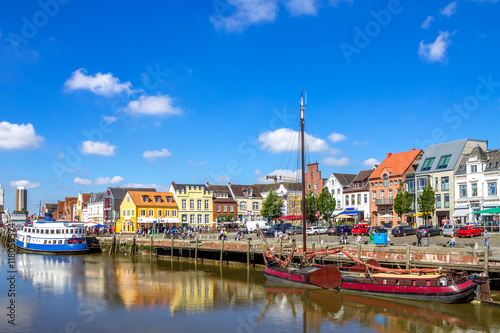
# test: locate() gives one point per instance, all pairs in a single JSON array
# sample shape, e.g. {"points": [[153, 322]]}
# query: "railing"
{"points": [[384, 202]]}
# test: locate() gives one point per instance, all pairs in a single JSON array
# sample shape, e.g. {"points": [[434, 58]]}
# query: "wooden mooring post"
{"points": [[132, 248], [486, 260], [222, 250], [151, 248], [407, 256], [196, 249], [248, 254], [172, 248], [314, 250], [113, 245]]}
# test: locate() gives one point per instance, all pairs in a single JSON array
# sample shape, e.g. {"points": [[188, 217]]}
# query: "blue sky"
{"points": [[97, 94]]}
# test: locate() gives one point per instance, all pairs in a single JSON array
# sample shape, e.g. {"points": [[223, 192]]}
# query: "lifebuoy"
{"points": [[74, 236], [82, 235]]}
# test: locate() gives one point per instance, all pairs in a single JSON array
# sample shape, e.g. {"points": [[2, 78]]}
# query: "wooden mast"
{"points": [[304, 225]]}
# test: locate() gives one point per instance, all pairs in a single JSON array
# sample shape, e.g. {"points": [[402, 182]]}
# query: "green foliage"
{"points": [[311, 207], [402, 202], [224, 218], [326, 205], [427, 201], [272, 206]]}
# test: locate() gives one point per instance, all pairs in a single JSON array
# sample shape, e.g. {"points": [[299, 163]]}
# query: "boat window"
{"points": [[428, 283], [46, 231], [413, 282], [397, 282], [58, 231], [45, 242], [385, 281], [51, 231], [60, 242]]}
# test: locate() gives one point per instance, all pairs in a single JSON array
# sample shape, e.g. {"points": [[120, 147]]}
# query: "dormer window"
{"points": [[145, 198], [157, 199], [249, 192]]}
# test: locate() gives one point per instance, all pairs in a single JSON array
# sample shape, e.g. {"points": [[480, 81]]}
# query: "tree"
{"points": [[311, 207], [224, 218], [272, 206], [326, 204], [402, 202], [427, 201]]}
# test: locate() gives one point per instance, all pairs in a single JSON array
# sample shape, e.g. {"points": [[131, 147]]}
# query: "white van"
{"points": [[252, 225]]}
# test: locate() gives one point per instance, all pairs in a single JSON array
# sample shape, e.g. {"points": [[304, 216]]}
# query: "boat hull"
{"points": [[317, 276], [79, 248]]}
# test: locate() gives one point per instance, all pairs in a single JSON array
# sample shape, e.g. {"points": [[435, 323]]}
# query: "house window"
{"points": [[473, 168], [128, 212], [474, 189], [200, 219], [231, 208], [438, 201], [421, 183], [133, 212], [157, 199], [207, 204], [446, 200], [159, 213], [255, 205], [218, 208], [359, 199], [365, 198], [445, 183], [353, 199], [437, 183], [386, 180], [174, 213], [128, 199], [143, 212], [151, 213], [315, 186], [443, 162], [410, 186], [492, 189], [167, 213], [191, 218], [374, 195], [183, 204], [390, 193], [124, 213], [199, 204], [347, 200], [463, 191], [308, 187], [207, 218], [427, 164], [243, 205], [338, 191], [191, 204], [224, 208], [382, 194]]}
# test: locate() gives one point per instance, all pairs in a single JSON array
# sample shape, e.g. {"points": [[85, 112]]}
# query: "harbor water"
{"points": [[103, 293]]}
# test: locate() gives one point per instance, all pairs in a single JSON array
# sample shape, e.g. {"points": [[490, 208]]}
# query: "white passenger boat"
{"points": [[52, 236]]}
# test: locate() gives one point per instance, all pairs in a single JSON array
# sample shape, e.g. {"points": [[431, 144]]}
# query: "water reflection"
{"points": [[110, 293]]}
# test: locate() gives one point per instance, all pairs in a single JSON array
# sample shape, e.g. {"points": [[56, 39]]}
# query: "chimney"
{"points": [[412, 149], [389, 155]]}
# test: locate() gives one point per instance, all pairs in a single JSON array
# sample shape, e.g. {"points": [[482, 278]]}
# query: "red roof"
{"points": [[397, 163]]}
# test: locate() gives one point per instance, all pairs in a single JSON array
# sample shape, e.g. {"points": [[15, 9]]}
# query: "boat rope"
{"points": [[269, 254]]}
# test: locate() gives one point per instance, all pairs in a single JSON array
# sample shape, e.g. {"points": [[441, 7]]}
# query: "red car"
{"points": [[360, 229], [469, 231]]}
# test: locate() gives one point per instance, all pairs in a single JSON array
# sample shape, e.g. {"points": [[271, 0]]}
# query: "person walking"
{"points": [[487, 239], [453, 240], [419, 238]]}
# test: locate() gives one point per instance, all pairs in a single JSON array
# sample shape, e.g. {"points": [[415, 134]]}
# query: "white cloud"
{"points": [[280, 172], [100, 84], [153, 105], [152, 155], [335, 151], [371, 162], [257, 172], [110, 119], [427, 23], [361, 143], [436, 51], [98, 148], [336, 3], [302, 7], [14, 136], [243, 13], [98, 181], [24, 183], [223, 179], [449, 10], [196, 162], [284, 139], [339, 162], [337, 137]]}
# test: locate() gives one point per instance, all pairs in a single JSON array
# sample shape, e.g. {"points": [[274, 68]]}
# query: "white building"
{"points": [[356, 196], [336, 184], [95, 208], [476, 183]]}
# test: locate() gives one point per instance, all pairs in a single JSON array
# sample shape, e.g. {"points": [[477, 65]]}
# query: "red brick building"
{"points": [[223, 201], [314, 181], [69, 202], [384, 184]]}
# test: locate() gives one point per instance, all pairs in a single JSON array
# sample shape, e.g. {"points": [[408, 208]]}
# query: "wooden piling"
{"points": [[407, 256], [222, 250], [248, 254], [172, 248], [359, 251], [281, 247], [132, 248], [113, 245], [196, 249], [314, 250], [486, 260], [151, 247]]}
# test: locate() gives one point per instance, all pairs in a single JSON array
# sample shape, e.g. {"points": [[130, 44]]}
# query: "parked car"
{"points": [[430, 230], [243, 230], [294, 230], [469, 231], [252, 225], [378, 230], [360, 229], [315, 230], [451, 229], [339, 230], [276, 227], [403, 230]]}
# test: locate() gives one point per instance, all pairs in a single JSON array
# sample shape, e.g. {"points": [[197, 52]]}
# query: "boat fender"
{"points": [[82, 236], [74, 236]]}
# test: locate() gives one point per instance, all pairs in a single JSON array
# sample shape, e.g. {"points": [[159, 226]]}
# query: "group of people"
{"points": [[278, 235], [453, 240]]}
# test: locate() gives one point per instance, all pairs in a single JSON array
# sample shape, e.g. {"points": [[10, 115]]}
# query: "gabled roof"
{"points": [[362, 176], [85, 197], [118, 193], [453, 149], [344, 178], [264, 188], [239, 190], [185, 187], [96, 197], [138, 199], [491, 157], [396, 164]]}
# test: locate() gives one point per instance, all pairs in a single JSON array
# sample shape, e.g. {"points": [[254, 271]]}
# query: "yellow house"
{"points": [[195, 204], [144, 208], [83, 198]]}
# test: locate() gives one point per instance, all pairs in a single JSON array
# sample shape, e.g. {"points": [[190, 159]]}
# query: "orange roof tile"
{"points": [[397, 163], [137, 197]]}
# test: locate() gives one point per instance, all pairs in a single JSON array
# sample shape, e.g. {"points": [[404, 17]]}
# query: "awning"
{"points": [[351, 212], [462, 206], [461, 212], [343, 216], [495, 210], [491, 204]]}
